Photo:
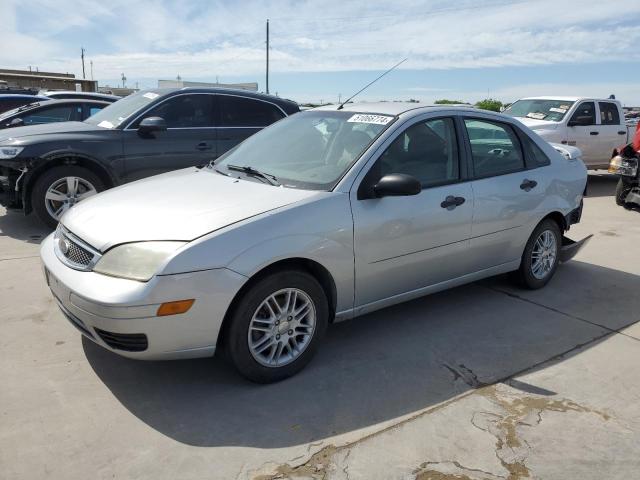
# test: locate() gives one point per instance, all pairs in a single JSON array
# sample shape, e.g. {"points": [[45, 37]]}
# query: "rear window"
{"points": [[247, 112], [609, 113]]}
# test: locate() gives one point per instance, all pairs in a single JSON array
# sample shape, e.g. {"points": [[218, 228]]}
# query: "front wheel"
{"points": [[59, 188], [277, 326], [541, 256]]}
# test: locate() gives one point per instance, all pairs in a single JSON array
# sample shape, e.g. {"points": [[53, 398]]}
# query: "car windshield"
{"points": [[310, 150], [28, 106], [112, 116], [540, 109]]}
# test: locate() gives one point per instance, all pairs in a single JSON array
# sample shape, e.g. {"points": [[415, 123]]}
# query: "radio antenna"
{"points": [[371, 83]]}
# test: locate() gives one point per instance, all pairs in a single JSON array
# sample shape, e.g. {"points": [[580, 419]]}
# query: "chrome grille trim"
{"points": [[79, 255]]}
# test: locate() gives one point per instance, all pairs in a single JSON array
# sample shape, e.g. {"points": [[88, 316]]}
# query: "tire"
{"points": [[622, 190], [45, 208], [527, 276], [251, 311]]}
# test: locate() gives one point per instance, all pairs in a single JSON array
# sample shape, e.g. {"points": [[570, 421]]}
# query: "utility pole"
{"points": [[82, 57], [91, 63], [267, 56]]}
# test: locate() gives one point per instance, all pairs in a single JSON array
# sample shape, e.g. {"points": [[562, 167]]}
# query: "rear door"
{"points": [[507, 193], [585, 136], [190, 138], [612, 132], [240, 117]]}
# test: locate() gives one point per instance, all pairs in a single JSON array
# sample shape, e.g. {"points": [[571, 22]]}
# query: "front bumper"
{"points": [[120, 314]]}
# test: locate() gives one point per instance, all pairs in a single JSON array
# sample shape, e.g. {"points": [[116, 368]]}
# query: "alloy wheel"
{"points": [[65, 192], [543, 255], [282, 327]]}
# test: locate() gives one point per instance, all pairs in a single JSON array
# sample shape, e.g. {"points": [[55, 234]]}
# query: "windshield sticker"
{"points": [[151, 95], [105, 124], [536, 115], [377, 119], [558, 110], [565, 107]]}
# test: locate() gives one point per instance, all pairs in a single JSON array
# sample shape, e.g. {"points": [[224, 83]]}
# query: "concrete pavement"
{"points": [[484, 381]]}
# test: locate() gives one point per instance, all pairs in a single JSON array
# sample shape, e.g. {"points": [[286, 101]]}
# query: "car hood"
{"points": [[534, 124], [180, 205], [19, 135]]}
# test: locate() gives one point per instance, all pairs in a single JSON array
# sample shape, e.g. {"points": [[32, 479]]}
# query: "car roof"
{"points": [[282, 102], [568, 99], [86, 95], [21, 96], [395, 108]]}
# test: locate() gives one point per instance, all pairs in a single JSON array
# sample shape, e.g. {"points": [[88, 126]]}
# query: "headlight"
{"points": [[136, 261], [9, 152], [623, 166]]}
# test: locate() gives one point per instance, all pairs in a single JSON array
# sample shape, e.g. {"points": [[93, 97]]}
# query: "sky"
{"points": [[322, 51]]}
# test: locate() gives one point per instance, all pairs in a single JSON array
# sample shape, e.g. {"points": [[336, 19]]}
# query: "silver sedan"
{"points": [[324, 216]]}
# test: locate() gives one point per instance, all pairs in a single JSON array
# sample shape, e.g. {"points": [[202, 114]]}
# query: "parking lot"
{"points": [[485, 381]]}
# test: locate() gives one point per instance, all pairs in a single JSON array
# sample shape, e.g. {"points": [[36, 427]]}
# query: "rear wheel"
{"points": [[277, 326], [59, 188], [541, 256]]}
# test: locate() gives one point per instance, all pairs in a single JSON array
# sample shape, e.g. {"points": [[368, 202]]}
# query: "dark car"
{"points": [[9, 101], [51, 111], [69, 94], [48, 168]]}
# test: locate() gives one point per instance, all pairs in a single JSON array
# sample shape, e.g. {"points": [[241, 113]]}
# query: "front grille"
{"points": [[130, 342], [74, 252], [77, 254]]}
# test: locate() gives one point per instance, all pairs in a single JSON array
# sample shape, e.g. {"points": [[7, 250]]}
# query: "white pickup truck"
{"points": [[596, 126]]}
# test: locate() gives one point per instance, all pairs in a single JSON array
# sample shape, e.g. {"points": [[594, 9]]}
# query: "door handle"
{"points": [[621, 132], [527, 185], [593, 133], [452, 202], [203, 146]]}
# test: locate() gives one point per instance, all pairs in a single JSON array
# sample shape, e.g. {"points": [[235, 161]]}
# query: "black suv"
{"points": [[49, 168]]}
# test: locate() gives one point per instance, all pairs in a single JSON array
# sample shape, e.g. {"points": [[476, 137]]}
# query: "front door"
{"points": [[585, 136], [405, 243], [190, 138]]}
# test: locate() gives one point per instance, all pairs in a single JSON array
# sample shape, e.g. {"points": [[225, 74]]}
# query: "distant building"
{"points": [[34, 80], [253, 86], [119, 91]]}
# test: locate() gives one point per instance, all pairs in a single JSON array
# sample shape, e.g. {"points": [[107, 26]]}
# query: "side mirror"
{"points": [[16, 122], [581, 120], [397, 185], [152, 124]]}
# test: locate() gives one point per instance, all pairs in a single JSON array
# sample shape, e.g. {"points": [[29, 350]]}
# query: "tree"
{"points": [[445, 101], [489, 104]]}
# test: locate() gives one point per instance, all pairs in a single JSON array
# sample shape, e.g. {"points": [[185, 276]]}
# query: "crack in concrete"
{"points": [[318, 465]]}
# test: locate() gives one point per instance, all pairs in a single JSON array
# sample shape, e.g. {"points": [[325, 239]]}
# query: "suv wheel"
{"points": [[59, 188], [277, 326], [541, 256]]}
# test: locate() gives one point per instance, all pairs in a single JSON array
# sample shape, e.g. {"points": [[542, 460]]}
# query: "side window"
{"points": [[535, 156], [93, 109], [495, 148], [185, 111], [246, 112], [585, 109], [427, 151], [609, 113], [49, 115]]}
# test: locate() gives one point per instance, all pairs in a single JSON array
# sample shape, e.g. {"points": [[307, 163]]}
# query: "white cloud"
{"points": [[149, 38]]}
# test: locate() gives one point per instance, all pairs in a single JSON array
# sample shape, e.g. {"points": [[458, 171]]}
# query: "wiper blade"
{"points": [[256, 173]]}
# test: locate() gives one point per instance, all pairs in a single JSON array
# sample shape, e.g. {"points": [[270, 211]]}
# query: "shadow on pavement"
{"points": [[601, 185], [14, 224], [373, 369]]}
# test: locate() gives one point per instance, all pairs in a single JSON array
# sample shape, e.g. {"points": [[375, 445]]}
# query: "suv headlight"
{"points": [[136, 261], [9, 152]]}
